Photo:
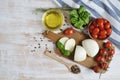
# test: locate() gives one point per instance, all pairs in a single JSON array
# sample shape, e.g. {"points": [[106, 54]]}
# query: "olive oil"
{"points": [[53, 19]]}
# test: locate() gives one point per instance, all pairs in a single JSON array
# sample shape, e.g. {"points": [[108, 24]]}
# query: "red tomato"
{"points": [[96, 30], [108, 44], [107, 25], [96, 68], [100, 21], [95, 36], [100, 59], [102, 52], [104, 65], [91, 27], [101, 27], [68, 31], [105, 21], [109, 31], [103, 32], [111, 52], [108, 58], [94, 23], [102, 36]]}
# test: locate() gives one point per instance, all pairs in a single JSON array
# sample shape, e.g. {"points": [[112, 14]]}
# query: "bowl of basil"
{"points": [[80, 17]]}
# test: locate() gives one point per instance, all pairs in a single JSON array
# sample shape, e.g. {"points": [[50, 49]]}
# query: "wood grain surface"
{"points": [[79, 37], [22, 46]]}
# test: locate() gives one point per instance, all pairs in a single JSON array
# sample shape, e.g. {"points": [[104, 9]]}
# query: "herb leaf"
{"points": [[80, 17]]}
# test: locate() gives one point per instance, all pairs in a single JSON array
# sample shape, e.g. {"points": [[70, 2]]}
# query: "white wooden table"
{"points": [[22, 46]]}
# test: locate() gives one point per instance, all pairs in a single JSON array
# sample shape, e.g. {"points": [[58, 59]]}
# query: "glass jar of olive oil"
{"points": [[53, 19]]}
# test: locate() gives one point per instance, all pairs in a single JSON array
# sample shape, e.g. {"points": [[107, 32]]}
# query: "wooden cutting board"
{"points": [[78, 36]]}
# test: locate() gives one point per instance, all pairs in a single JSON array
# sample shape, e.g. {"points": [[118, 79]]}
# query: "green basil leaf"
{"points": [[74, 20], [81, 9], [74, 13], [60, 45], [67, 53], [79, 24]]}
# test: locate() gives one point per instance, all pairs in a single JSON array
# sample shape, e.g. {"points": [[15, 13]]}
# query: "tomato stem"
{"points": [[100, 75]]}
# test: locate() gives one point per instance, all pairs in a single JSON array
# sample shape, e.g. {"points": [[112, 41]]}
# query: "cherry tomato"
{"points": [[95, 36], [108, 44], [101, 27], [94, 23], [104, 65], [68, 31], [96, 30], [102, 36], [102, 52], [109, 31], [100, 59], [91, 27], [108, 58], [100, 21], [105, 21], [107, 25], [103, 32], [96, 68], [111, 52]]}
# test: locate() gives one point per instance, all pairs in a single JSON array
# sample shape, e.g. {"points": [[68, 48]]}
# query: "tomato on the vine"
{"points": [[100, 59], [104, 65], [108, 58], [104, 57], [111, 52], [102, 52], [96, 68]]}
